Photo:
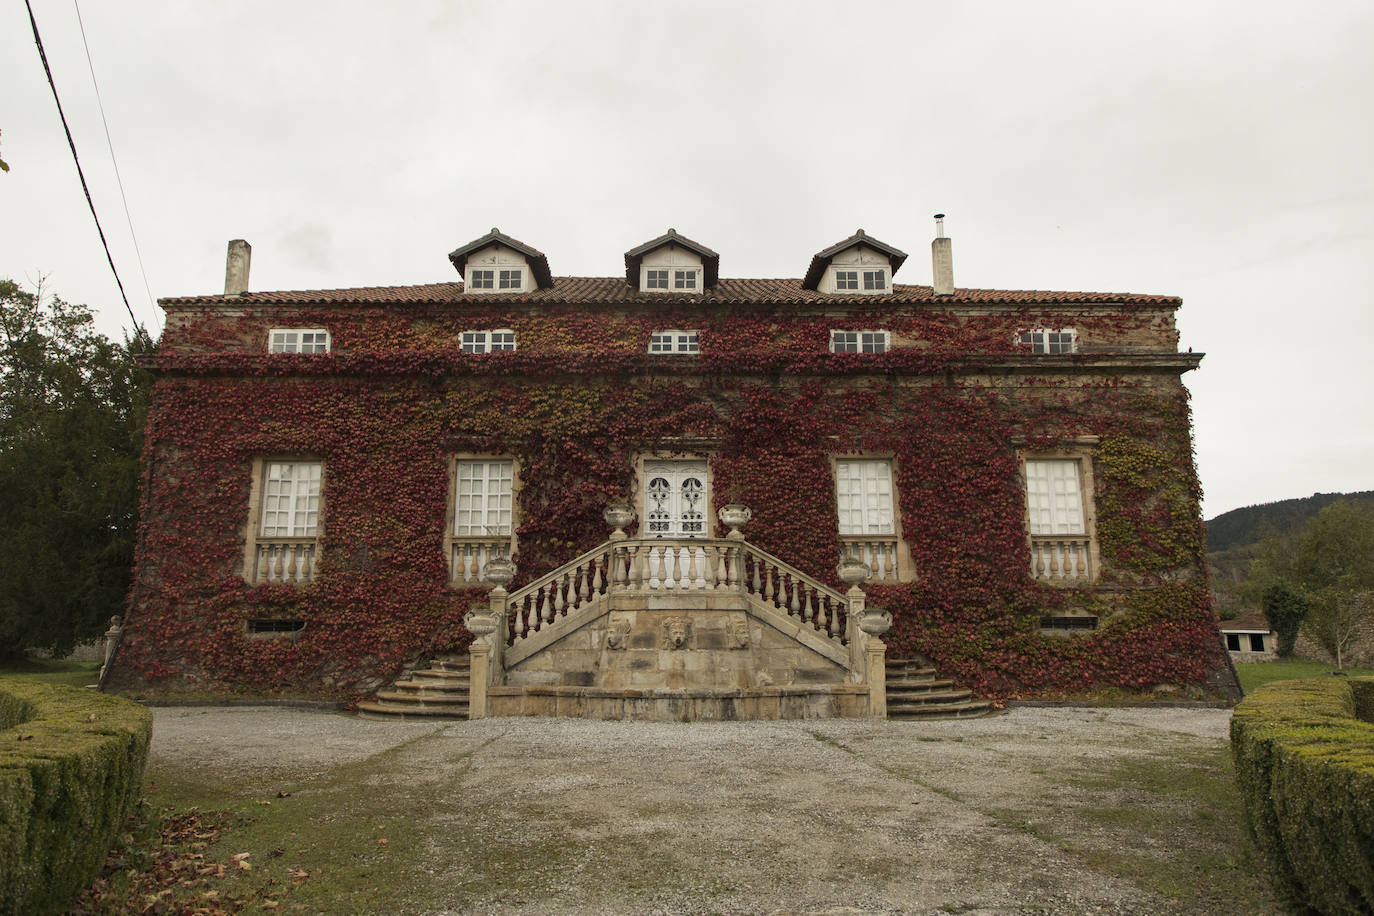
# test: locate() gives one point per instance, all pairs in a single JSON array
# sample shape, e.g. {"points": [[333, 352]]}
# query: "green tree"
{"points": [[1285, 609], [1334, 565], [72, 405]]}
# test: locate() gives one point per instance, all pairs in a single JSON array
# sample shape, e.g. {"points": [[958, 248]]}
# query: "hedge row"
{"points": [[71, 768], [1304, 756]]}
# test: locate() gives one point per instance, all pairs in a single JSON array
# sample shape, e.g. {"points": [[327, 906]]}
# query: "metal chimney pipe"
{"points": [[236, 267], [942, 259]]}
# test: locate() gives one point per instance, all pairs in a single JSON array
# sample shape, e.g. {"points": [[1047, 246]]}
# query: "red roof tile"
{"points": [[613, 290]]}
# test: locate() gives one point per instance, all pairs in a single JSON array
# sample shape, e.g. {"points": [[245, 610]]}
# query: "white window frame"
{"points": [[672, 277], [484, 498], [291, 499], [510, 279], [843, 279], [865, 497], [293, 340], [482, 278], [674, 342], [488, 341], [1041, 344], [874, 280], [870, 341], [1055, 503]]}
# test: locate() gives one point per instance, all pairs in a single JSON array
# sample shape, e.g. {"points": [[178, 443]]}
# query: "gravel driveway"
{"points": [[830, 816]]}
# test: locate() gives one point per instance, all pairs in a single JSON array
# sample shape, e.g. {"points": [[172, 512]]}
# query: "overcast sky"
{"points": [[1222, 152]]}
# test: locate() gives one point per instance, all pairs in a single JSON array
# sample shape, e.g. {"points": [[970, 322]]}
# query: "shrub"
{"points": [[71, 767], [1304, 756]]}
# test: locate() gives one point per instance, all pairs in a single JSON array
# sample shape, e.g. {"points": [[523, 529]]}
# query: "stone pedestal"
{"points": [[875, 660]]}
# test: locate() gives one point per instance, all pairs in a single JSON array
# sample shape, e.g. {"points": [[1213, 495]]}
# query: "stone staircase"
{"points": [[914, 692], [439, 691]]}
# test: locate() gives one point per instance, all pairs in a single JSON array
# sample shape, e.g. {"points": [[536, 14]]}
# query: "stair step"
{"points": [[439, 674], [921, 683], [967, 710], [905, 670], [382, 710], [926, 698], [426, 698]]}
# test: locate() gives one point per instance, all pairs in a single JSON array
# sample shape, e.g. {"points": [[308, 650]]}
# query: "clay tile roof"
{"points": [[539, 263], [709, 259], [821, 259], [613, 290]]}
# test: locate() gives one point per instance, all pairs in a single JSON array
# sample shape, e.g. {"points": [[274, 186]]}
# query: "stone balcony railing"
{"points": [[468, 558], [1061, 558], [283, 560], [878, 552]]}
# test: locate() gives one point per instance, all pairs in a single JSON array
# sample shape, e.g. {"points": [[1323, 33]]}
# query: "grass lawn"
{"points": [[73, 674], [1253, 674]]}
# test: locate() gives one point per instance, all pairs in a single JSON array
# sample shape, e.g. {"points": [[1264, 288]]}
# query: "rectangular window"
{"points": [[1075, 622], [656, 279], [291, 499], [859, 341], [684, 279], [846, 279], [1256, 642], [483, 279], [298, 340], [671, 341], [863, 493], [875, 280], [1048, 341], [1233, 642], [510, 279], [488, 341], [1054, 496], [483, 498]]}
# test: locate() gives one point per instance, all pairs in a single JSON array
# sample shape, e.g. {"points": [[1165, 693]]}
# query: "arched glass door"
{"points": [[675, 499]]}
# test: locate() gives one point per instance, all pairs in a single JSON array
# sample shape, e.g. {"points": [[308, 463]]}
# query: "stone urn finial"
{"points": [[875, 621], [499, 571], [853, 571], [480, 625], [618, 514], [735, 516]]}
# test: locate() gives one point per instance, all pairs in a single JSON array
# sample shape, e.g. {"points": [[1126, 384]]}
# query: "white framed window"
{"points": [[1050, 340], [298, 340], [863, 495], [481, 279], [1054, 496], [685, 280], [488, 341], [511, 278], [859, 341], [674, 341], [672, 279], [875, 281], [484, 497], [291, 499], [846, 279], [655, 279], [861, 280]]}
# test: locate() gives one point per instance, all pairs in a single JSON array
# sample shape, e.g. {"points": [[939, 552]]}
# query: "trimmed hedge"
{"points": [[1304, 753], [66, 788]]}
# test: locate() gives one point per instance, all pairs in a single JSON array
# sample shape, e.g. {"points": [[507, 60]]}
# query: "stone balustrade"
{"points": [[284, 560], [1060, 558], [878, 552], [468, 558]]}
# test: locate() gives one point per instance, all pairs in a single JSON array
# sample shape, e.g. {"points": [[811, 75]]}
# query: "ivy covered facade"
{"points": [[328, 471]]}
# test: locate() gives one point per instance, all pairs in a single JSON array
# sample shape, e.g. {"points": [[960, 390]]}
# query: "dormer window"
{"points": [[488, 341], [672, 263], [497, 263], [859, 341], [859, 265]]}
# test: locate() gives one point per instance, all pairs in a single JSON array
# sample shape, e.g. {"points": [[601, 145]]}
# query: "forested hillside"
{"points": [[1249, 525]]}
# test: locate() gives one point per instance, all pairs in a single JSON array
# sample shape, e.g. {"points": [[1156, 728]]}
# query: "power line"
{"points": [[82, 175], [115, 162]]}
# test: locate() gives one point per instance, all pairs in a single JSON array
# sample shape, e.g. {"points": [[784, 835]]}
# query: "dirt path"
{"points": [[1038, 810]]}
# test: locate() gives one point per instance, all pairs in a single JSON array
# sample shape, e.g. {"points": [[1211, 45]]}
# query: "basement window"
{"points": [[275, 626], [1067, 623]]}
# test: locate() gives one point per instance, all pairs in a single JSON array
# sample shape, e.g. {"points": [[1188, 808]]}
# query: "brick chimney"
{"points": [[236, 267], [942, 259]]}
